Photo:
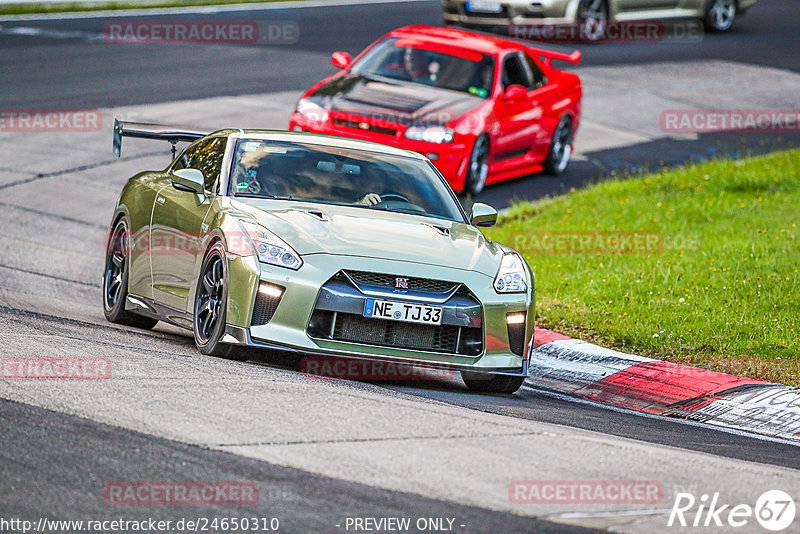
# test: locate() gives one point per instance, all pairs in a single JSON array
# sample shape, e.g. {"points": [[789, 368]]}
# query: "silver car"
{"points": [[718, 15]]}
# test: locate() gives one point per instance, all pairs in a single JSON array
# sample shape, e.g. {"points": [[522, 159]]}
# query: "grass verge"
{"points": [[697, 265]]}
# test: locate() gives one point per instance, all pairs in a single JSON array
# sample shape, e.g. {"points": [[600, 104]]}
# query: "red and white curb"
{"points": [[585, 370]]}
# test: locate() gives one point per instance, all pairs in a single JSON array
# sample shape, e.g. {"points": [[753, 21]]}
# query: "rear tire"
{"points": [[210, 307], [560, 148], [115, 280], [485, 383], [720, 15]]}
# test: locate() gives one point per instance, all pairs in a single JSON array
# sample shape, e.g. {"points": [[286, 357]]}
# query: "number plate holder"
{"points": [[482, 6], [407, 312]]}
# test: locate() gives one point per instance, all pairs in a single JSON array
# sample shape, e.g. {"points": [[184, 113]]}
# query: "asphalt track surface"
{"points": [[76, 68], [89, 454], [81, 70], [71, 70]]}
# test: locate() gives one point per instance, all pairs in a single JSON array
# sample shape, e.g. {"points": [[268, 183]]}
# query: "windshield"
{"points": [[429, 64], [330, 175]]}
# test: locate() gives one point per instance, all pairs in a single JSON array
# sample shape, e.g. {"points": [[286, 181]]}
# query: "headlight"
{"points": [[436, 134], [311, 111], [270, 248], [512, 276]]}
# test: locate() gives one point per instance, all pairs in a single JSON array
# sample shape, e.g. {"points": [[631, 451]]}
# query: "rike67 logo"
{"points": [[774, 510]]}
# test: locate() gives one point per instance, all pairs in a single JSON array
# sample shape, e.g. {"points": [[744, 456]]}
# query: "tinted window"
{"points": [[331, 175], [205, 156], [537, 75], [515, 72]]}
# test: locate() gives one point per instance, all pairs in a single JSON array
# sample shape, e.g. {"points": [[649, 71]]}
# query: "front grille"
{"points": [[371, 127], [390, 281], [264, 309], [360, 329], [354, 328]]}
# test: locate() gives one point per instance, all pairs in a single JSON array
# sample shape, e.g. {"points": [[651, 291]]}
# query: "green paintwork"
{"points": [[386, 242]]}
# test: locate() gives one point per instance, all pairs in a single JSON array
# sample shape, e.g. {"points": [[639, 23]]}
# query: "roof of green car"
{"points": [[323, 140]]}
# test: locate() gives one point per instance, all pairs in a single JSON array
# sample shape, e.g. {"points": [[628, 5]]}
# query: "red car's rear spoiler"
{"points": [[550, 55]]}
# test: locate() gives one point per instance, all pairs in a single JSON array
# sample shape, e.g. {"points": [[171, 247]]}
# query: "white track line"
{"points": [[197, 10], [622, 513]]}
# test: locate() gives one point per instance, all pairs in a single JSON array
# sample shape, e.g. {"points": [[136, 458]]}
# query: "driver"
{"points": [[370, 199], [417, 67]]}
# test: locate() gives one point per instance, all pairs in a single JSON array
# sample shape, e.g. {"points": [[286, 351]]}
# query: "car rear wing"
{"points": [[144, 130], [550, 55]]}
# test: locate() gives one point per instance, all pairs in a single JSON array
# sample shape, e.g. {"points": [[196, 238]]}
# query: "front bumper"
{"points": [[317, 286], [242, 336], [512, 12], [450, 158]]}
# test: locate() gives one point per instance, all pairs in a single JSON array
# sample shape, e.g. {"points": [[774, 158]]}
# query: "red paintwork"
{"points": [[511, 126]]}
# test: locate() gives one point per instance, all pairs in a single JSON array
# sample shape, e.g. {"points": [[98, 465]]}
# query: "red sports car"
{"points": [[482, 108]]}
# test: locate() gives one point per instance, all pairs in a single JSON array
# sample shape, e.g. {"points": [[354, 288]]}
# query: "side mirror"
{"points": [[514, 93], [483, 215], [341, 60], [189, 180]]}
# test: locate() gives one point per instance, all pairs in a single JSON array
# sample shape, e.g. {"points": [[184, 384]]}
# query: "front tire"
{"points": [[720, 15], [560, 148], [210, 307], [478, 166], [115, 281], [483, 383]]}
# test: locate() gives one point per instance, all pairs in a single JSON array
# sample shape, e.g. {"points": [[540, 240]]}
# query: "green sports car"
{"points": [[318, 245]]}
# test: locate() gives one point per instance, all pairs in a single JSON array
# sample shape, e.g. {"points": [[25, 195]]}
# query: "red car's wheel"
{"points": [[560, 148], [478, 166]]}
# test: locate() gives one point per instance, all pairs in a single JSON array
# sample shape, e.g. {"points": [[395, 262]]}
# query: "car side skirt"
{"points": [[150, 308]]}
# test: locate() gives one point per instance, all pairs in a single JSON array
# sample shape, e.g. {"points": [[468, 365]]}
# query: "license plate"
{"points": [[484, 7], [403, 311]]}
